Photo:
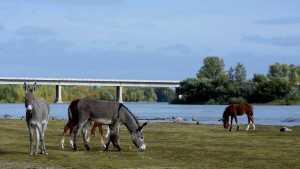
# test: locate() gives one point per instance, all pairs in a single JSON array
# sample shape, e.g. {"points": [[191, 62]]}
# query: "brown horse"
{"points": [[234, 110], [73, 120]]}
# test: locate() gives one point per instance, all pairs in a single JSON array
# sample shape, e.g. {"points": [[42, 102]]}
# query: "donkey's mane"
{"points": [[122, 105]]}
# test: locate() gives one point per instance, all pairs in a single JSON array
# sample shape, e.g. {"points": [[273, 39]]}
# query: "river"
{"points": [[208, 114]]}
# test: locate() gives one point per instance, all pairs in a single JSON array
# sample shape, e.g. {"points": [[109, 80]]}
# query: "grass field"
{"points": [[169, 146]]}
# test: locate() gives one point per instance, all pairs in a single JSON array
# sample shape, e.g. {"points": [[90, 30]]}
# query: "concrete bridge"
{"points": [[58, 82]]}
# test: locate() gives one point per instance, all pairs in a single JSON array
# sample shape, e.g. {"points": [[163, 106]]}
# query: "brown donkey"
{"points": [[72, 122], [234, 110]]}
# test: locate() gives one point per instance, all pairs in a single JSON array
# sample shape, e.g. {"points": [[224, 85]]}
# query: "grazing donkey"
{"points": [[72, 122], [112, 114], [234, 110], [37, 115]]}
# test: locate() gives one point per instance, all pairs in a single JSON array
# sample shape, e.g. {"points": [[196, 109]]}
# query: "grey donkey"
{"points": [[108, 113], [37, 115]]}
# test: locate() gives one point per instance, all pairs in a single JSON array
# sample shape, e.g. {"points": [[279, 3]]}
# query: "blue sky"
{"points": [[134, 39]]}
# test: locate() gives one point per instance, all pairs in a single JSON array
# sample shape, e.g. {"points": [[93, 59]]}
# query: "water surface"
{"points": [[209, 114]]}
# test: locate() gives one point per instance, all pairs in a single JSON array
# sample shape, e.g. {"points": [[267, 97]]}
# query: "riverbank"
{"points": [[169, 145]]}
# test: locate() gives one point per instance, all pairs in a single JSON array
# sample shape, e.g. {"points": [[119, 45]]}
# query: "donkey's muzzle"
{"points": [[143, 147], [29, 108]]}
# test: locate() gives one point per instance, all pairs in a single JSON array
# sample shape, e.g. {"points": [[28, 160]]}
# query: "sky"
{"points": [[149, 40]]}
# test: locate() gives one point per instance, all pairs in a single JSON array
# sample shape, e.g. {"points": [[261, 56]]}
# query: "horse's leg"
{"points": [[237, 123], [231, 120], [249, 122], [252, 120], [93, 131], [100, 128], [85, 130], [90, 123]]}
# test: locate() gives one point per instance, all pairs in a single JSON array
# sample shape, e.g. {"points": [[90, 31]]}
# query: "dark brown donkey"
{"points": [[72, 122], [234, 110]]}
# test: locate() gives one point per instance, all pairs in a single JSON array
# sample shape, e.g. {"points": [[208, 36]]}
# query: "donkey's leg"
{"points": [[108, 138], [44, 128], [37, 139], [30, 138], [72, 125], [41, 138], [62, 141], [85, 130], [76, 132], [237, 123], [115, 141], [231, 120], [115, 137]]}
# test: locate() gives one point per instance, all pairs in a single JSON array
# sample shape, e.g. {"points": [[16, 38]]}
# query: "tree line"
{"points": [[215, 85], [15, 93]]}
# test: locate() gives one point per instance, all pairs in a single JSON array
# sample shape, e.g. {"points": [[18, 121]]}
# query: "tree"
{"points": [[259, 78], [240, 73], [293, 76], [276, 88], [231, 74], [212, 69], [279, 71]]}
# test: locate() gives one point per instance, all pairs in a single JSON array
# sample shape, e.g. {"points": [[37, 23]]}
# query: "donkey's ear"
{"points": [[143, 125], [25, 86], [34, 86]]}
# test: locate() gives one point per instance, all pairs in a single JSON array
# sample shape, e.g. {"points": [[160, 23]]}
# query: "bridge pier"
{"points": [[119, 97], [58, 98]]}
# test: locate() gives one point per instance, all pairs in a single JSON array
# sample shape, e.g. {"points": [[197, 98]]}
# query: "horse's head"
{"points": [[225, 120], [29, 97], [138, 138]]}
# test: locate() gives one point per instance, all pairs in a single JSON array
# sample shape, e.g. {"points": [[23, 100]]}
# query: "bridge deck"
{"points": [[90, 82]]}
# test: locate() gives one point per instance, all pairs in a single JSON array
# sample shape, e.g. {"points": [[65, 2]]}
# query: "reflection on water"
{"points": [[264, 114]]}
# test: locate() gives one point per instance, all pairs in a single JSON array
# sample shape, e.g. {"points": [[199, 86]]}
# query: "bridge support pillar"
{"points": [[58, 98], [119, 97]]}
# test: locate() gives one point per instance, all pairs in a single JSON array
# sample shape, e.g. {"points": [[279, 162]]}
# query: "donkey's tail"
{"points": [[69, 113]]}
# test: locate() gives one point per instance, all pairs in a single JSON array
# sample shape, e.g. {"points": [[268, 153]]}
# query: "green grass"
{"points": [[169, 146]]}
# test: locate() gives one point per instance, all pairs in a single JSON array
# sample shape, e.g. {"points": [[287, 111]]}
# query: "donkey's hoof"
{"points": [[103, 146], [87, 147], [62, 147], [75, 148]]}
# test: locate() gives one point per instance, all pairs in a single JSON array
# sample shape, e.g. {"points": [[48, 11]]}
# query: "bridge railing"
{"points": [[58, 82]]}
